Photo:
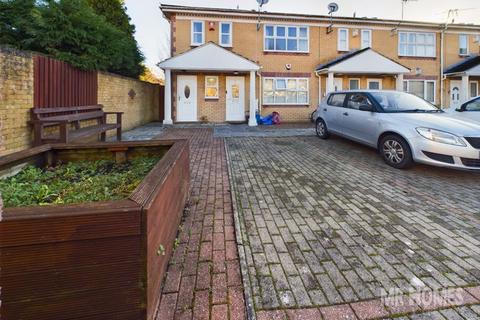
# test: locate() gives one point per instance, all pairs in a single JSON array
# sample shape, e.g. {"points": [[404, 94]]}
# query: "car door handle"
{"points": [[325, 109], [345, 113]]}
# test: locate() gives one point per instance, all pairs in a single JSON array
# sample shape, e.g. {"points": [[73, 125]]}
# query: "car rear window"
{"points": [[337, 99]]}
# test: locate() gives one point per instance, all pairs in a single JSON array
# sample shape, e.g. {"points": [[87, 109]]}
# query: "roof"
{"points": [[167, 9], [363, 61], [467, 65], [209, 57]]}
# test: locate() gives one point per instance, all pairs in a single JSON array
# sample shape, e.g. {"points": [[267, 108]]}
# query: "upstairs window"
{"points": [[342, 44], [463, 44], [225, 34], [416, 44], [285, 38], [366, 36], [198, 33]]}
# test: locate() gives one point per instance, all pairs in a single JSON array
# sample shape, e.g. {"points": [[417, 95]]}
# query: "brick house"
{"points": [[296, 59]]}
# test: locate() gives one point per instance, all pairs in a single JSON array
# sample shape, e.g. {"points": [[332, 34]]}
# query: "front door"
{"points": [[235, 100], [186, 98], [337, 84], [455, 86]]}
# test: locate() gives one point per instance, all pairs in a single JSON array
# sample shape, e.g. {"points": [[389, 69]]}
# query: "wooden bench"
{"points": [[68, 120]]}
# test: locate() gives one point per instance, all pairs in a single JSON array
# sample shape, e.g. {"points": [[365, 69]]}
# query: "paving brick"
{"points": [[369, 309], [166, 310], [201, 307], [338, 312], [220, 312], [304, 314]]}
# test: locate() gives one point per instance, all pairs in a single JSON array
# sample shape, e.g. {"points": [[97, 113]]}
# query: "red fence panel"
{"points": [[58, 84]]}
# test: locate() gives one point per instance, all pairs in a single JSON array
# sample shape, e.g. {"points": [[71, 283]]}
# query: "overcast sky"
{"points": [[153, 30]]}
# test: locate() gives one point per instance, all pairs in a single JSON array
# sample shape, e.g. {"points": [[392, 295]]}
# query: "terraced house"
{"points": [[227, 64]]}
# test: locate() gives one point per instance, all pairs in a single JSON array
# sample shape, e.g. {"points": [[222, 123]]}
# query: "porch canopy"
{"points": [[364, 61], [209, 57], [466, 68]]}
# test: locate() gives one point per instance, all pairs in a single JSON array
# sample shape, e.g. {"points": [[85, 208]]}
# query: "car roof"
{"points": [[365, 90]]}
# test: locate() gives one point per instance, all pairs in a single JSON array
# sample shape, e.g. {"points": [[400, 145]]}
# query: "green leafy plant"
{"points": [[75, 182]]}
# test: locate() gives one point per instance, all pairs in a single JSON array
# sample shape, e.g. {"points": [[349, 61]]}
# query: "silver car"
{"points": [[403, 127], [468, 111]]}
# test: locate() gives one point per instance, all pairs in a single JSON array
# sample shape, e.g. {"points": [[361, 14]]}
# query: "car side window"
{"points": [[473, 105], [336, 99], [355, 100]]}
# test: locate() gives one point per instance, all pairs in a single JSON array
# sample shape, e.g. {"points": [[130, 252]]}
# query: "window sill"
{"points": [[463, 55], [196, 44], [211, 98], [417, 57], [299, 53], [306, 105]]}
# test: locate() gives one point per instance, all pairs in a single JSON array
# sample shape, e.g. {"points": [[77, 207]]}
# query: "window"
{"points": [[366, 36], [225, 34], [374, 84], [355, 100], [198, 31], [422, 88], [473, 89], [463, 44], [342, 44], [285, 91], [473, 105], [336, 99], [211, 87], [416, 44], [354, 84], [285, 38]]}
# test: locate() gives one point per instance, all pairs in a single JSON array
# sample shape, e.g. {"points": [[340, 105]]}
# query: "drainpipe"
{"points": [[442, 76]]}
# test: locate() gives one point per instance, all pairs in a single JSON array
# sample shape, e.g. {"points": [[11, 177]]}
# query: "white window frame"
{"points": [[286, 90], [380, 83], [339, 48], [470, 88], [408, 33], [350, 79], [220, 33], [274, 37], [207, 86], [369, 31], [424, 88], [459, 44], [192, 38]]}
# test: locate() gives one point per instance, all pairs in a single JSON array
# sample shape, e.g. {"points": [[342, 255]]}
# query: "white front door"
{"points": [[235, 100], [455, 93], [186, 98], [337, 84]]}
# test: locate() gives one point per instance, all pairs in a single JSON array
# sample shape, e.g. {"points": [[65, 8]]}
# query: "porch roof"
{"points": [[468, 66], [209, 57], [363, 61]]}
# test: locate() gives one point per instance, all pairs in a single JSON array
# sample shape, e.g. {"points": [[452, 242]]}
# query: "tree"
{"points": [[71, 31], [114, 12]]}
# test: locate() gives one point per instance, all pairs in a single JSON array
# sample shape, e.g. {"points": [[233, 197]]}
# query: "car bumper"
{"points": [[445, 155]]}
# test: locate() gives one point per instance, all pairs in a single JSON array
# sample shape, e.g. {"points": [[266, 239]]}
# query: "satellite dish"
{"points": [[262, 2], [332, 7]]}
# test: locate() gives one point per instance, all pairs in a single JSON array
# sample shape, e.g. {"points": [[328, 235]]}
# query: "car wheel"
{"points": [[396, 152], [321, 129]]}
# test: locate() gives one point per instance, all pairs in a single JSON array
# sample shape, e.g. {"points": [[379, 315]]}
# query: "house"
{"points": [[227, 64]]}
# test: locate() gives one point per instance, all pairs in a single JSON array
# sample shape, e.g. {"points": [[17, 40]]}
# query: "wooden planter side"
{"points": [[163, 207], [93, 260]]}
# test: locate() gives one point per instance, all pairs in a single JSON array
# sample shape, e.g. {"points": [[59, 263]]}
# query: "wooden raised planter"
{"points": [[98, 260]]}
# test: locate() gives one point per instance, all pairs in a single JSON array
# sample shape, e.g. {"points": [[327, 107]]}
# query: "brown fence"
{"points": [[58, 84]]}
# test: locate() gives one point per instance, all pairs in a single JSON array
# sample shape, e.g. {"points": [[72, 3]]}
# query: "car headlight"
{"points": [[441, 136]]}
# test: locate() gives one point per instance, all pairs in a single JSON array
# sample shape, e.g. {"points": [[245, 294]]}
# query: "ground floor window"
{"points": [[354, 84], [211, 87], [285, 91], [473, 89], [422, 88], [374, 84]]}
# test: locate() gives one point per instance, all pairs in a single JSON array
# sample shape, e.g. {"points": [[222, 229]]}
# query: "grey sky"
{"points": [[153, 30]]}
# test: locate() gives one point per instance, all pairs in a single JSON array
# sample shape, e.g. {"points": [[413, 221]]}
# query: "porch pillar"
{"points": [[330, 83], [464, 89], [252, 120], [168, 98], [399, 82]]}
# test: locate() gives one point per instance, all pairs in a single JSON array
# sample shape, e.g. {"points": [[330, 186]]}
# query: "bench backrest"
{"points": [[68, 113]]}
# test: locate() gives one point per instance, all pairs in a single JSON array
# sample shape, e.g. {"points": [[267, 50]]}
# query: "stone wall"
{"points": [[16, 99], [140, 107]]}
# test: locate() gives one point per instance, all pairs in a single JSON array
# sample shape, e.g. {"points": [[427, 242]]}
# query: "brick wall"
{"points": [[16, 99], [113, 93], [17, 93]]}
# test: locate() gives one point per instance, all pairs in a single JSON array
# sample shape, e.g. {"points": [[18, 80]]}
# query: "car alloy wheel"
{"points": [[393, 151], [321, 129]]}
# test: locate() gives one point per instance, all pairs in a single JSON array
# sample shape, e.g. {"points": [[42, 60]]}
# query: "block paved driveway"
{"points": [[327, 223]]}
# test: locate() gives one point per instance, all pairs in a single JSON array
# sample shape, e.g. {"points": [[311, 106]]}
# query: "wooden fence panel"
{"points": [[58, 84]]}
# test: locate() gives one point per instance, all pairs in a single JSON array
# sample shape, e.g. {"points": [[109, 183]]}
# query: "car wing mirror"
{"points": [[459, 109], [366, 107]]}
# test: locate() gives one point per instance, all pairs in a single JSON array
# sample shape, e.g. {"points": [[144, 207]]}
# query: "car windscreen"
{"points": [[392, 101]]}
